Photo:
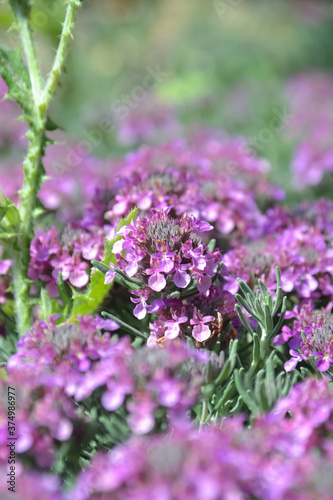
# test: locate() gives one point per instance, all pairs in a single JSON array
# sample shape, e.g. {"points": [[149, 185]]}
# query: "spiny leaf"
{"points": [[16, 76]]}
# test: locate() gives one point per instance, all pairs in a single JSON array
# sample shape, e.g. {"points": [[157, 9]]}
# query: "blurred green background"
{"points": [[225, 63]]}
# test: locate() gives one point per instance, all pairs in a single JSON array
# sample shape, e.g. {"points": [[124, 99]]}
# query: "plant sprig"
{"points": [[27, 88]]}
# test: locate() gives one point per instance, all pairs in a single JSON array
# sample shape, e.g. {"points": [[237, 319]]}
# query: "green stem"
{"points": [[32, 166], [59, 60]]}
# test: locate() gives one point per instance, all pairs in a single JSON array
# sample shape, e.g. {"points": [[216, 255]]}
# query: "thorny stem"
{"points": [[32, 166]]}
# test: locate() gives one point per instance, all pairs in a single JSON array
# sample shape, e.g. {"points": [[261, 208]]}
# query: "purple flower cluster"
{"points": [[207, 318], [48, 360], [145, 380], [212, 177], [67, 253], [56, 366], [300, 244], [29, 485], [166, 255], [311, 335], [279, 458]]}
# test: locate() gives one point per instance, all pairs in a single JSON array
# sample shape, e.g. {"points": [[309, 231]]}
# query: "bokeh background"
{"points": [[253, 68]]}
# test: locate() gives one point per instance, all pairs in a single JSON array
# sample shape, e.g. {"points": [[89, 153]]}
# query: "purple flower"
{"points": [[157, 280], [165, 260], [172, 326], [201, 332], [77, 274], [284, 336], [133, 258], [181, 278], [110, 275], [140, 310], [198, 260], [325, 358], [292, 363], [204, 282]]}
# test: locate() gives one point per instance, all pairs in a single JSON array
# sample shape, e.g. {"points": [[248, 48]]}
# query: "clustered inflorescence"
{"points": [[168, 357]]}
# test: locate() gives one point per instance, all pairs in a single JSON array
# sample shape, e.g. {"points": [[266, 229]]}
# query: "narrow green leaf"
{"points": [[245, 393], [228, 366], [259, 391], [270, 384], [211, 245], [228, 392], [125, 326], [99, 265], [8, 236], [66, 299], [46, 305], [268, 319], [256, 349], [244, 287], [278, 326], [263, 288], [243, 319], [243, 303], [237, 408]]}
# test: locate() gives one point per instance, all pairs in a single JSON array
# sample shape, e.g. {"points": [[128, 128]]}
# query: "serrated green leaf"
{"points": [[16, 76], [3, 211], [131, 216], [11, 217]]}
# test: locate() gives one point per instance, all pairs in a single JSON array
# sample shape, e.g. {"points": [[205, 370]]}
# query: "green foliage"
{"points": [[16, 76], [260, 393], [51, 306], [263, 308], [26, 87], [251, 381], [9, 219]]}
